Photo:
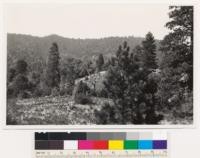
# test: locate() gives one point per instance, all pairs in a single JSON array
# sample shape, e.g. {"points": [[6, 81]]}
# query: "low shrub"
{"points": [[46, 91], [55, 92], [81, 88], [102, 93], [66, 90], [82, 99], [11, 112], [24, 94], [37, 92], [107, 115]]}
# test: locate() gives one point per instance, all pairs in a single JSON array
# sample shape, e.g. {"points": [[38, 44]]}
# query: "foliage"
{"points": [[125, 86], [18, 83], [82, 99], [11, 75], [52, 70], [55, 92], [81, 88], [66, 89], [51, 111], [87, 68], [146, 86], [70, 71], [81, 93], [62, 111], [99, 62], [32, 46], [149, 48], [38, 92], [151, 78], [21, 67], [132, 82], [107, 115], [34, 78], [177, 63], [11, 110]]}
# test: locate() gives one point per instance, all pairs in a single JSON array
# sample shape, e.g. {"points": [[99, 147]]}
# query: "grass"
{"points": [[51, 111], [62, 110]]}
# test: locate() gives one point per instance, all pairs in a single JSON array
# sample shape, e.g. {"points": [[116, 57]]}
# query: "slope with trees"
{"points": [[176, 84], [116, 80]]}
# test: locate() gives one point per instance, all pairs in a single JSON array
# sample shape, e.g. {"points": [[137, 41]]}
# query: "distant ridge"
{"points": [[25, 40], [31, 47]]}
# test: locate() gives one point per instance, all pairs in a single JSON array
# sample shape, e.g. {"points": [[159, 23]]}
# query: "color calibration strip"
{"points": [[101, 143]]}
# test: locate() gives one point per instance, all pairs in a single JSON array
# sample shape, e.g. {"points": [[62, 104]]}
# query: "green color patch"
{"points": [[130, 144]]}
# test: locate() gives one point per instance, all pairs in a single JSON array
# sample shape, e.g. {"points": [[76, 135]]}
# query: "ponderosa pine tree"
{"points": [[124, 86], [53, 70], [177, 63], [99, 62], [150, 65], [149, 52]]}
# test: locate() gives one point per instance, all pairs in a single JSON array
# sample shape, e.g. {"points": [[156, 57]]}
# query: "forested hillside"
{"points": [[25, 45], [115, 80]]}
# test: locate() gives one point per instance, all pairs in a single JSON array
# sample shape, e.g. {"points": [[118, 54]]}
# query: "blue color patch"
{"points": [[145, 144]]}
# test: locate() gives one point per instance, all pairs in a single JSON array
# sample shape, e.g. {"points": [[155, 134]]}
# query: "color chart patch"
{"points": [[101, 143]]}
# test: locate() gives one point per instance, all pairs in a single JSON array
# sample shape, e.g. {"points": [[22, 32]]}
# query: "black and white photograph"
{"points": [[99, 64]]}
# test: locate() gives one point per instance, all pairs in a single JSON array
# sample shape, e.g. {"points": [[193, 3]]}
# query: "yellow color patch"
{"points": [[116, 144]]}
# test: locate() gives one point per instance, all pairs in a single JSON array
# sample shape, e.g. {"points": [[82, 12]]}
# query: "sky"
{"points": [[87, 20]]}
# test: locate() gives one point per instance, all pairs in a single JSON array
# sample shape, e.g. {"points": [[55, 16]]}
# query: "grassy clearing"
{"points": [[64, 111], [51, 111]]}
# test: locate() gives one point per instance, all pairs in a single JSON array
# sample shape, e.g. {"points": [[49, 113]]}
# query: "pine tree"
{"points": [[149, 51], [125, 87], [148, 58], [53, 70], [70, 71], [181, 25], [21, 67], [99, 62], [20, 82], [177, 63]]}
